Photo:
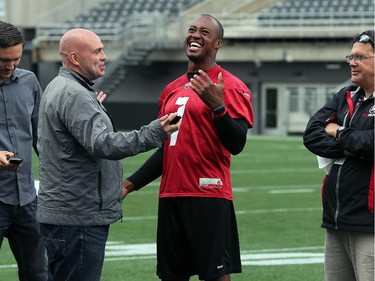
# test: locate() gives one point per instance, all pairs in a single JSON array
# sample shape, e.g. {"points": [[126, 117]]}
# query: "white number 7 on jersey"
{"points": [[180, 112]]}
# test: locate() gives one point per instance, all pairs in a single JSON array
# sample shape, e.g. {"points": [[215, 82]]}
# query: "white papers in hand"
{"points": [[325, 163]]}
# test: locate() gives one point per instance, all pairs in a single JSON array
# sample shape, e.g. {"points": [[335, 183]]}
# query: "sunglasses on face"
{"points": [[364, 38]]}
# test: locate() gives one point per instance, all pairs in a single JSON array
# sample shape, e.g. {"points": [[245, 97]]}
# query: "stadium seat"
{"points": [[111, 13], [316, 12]]}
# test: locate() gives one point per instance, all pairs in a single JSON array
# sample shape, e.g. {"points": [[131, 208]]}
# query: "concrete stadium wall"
{"points": [[135, 102]]}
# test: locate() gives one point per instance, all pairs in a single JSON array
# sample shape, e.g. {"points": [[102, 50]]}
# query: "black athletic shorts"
{"points": [[197, 236]]}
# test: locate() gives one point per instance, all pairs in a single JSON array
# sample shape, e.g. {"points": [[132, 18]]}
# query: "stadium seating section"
{"points": [[109, 18], [316, 11], [116, 11]]}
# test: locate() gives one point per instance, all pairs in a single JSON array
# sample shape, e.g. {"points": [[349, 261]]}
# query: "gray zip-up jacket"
{"points": [[79, 153]]}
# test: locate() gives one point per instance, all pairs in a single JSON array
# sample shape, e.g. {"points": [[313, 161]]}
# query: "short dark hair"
{"points": [[10, 35], [365, 37], [220, 34]]}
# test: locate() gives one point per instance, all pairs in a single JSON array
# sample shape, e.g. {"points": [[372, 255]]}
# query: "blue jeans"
{"points": [[74, 252], [19, 225]]}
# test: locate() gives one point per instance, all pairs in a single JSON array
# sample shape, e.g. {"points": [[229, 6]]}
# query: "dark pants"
{"points": [[74, 252], [19, 225]]}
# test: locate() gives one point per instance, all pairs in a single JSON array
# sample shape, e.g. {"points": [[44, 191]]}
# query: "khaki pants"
{"points": [[349, 256]]}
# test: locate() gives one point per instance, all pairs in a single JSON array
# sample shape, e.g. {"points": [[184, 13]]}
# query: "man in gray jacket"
{"points": [[80, 171]]}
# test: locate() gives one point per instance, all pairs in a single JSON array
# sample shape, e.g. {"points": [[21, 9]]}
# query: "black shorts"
{"points": [[197, 236]]}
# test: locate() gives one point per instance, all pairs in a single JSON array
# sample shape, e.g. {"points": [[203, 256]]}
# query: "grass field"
{"points": [[276, 186]]}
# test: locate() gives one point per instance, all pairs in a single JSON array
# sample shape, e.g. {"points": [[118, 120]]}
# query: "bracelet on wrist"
{"points": [[219, 112]]}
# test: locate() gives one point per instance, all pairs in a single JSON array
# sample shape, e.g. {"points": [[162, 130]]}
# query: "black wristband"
{"points": [[219, 110]]}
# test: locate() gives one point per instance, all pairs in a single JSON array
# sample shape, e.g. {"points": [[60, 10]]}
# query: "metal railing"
{"points": [[300, 25], [144, 31], [239, 25], [68, 9]]}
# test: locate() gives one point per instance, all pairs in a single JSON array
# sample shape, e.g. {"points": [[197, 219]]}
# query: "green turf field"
{"points": [[276, 186]]}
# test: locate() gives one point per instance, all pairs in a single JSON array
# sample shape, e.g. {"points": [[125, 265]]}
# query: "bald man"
{"points": [[80, 167], [82, 51]]}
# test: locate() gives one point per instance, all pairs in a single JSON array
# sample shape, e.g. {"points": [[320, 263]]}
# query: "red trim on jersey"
{"points": [[195, 163], [371, 193]]}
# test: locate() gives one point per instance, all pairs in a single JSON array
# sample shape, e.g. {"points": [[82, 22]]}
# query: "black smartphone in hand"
{"points": [[175, 120], [15, 160]]}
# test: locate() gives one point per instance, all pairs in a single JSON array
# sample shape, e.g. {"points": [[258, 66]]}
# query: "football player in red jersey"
{"points": [[197, 230]]}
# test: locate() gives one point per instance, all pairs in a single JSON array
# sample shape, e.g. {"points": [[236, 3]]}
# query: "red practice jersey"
{"points": [[195, 163]]}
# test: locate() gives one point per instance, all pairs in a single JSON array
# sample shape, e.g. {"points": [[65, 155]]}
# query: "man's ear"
{"points": [[73, 57], [219, 43]]}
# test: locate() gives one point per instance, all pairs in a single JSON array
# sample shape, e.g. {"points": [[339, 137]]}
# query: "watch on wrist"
{"points": [[339, 131]]}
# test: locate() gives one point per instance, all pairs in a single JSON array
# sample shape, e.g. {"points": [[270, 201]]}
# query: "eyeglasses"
{"points": [[356, 58]]}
